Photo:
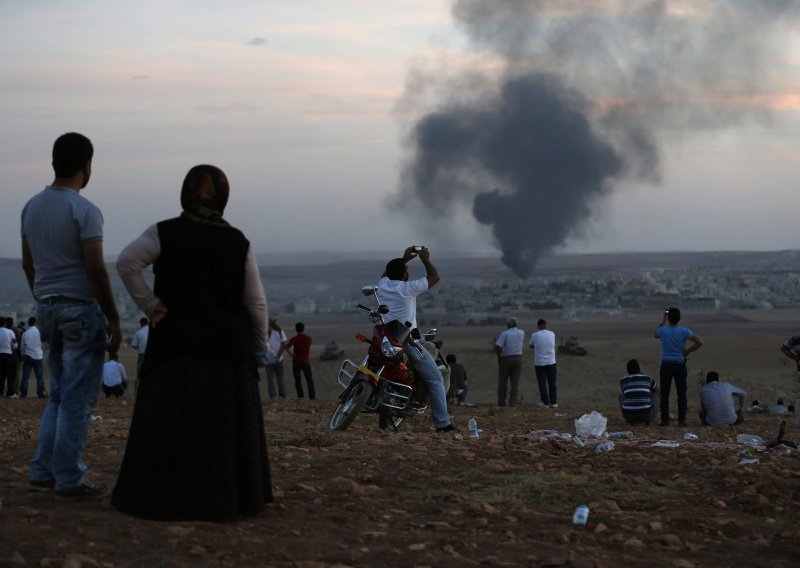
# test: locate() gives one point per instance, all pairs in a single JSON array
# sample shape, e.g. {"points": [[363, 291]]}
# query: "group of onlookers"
{"points": [[721, 403], [18, 344], [299, 349], [509, 347], [642, 398]]}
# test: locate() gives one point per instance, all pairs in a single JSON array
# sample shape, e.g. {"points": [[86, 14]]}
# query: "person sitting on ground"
{"points": [[115, 380], [755, 408], [790, 409], [716, 401], [640, 398], [459, 385], [779, 408]]}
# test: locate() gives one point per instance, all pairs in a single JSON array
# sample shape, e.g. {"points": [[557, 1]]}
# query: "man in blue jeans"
{"points": [[673, 362], [399, 294], [62, 256]]}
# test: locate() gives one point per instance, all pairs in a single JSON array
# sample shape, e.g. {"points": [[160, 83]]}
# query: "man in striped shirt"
{"points": [[640, 398]]}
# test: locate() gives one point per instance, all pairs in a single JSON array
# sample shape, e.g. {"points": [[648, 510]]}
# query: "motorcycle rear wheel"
{"points": [[350, 407]]}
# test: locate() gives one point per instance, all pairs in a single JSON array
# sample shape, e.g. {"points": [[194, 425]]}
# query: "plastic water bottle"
{"points": [[604, 447], [472, 425], [691, 437], [618, 435], [579, 441], [750, 440], [581, 515]]}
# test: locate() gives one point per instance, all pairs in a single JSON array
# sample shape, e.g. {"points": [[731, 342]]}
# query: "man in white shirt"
{"points": [[716, 401], [32, 356], [115, 380], [543, 343], [509, 362], [8, 343], [399, 294]]}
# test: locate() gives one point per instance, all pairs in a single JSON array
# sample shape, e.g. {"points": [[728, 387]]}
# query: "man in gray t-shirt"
{"points": [[62, 256], [716, 402]]}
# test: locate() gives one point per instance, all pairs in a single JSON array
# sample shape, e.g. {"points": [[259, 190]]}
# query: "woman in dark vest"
{"points": [[196, 448]]}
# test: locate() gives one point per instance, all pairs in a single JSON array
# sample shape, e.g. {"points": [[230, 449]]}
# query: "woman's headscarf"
{"points": [[204, 195]]}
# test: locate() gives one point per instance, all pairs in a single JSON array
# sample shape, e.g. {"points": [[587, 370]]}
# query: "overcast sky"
{"points": [[307, 106]]}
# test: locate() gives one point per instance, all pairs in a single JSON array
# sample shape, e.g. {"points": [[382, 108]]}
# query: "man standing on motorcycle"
{"points": [[399, 294]]}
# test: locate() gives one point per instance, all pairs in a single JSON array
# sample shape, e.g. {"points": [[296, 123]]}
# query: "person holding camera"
{"points": [[399, 294], [674, 355]]}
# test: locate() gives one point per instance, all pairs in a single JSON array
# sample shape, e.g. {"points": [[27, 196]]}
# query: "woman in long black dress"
{"points": [[196, 448]]}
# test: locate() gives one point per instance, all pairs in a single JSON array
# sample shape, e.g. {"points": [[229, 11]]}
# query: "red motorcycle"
{"points": [[384, 383]]}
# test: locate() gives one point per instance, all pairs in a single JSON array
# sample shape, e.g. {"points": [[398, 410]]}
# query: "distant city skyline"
{"points": [[308, 107]]}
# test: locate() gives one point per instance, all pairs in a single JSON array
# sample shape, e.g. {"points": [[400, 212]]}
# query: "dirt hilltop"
{"points": [[417, 498]]}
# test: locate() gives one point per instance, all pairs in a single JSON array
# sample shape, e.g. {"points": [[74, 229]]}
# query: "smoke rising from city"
{"points": [[568, 98]]}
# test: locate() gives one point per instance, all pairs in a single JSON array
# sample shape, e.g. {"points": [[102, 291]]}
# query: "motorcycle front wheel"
{"points": [[350, 406]]}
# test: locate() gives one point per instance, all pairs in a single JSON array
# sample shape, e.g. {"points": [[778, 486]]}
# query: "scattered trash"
{"points": [[691, 437], [96, 418], [472, 425], [751, 440], [561, 414], [581, 515], [618, 435], [666, 444], [604, 447], [754, 461], [579, 441], [593, 424]]}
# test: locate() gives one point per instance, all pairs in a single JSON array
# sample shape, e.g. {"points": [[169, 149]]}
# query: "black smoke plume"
{"points": [[573, 97]]}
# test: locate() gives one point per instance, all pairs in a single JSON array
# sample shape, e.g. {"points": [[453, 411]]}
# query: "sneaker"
{"points": [[42, 485], [15, 395], [448, 428], [543, 405], [88, 490], [553, 406]]}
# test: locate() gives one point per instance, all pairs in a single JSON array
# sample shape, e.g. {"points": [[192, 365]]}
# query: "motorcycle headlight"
{"points": [[388, 349]]}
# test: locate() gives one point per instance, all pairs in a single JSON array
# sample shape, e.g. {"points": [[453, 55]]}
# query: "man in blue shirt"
{"points": [[673, 362]]}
